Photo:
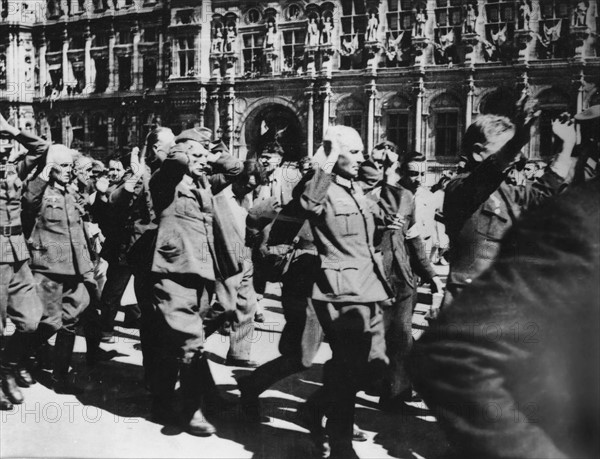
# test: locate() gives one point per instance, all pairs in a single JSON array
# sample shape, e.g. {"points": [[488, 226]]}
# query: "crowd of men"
{"points": [[350, 237]]}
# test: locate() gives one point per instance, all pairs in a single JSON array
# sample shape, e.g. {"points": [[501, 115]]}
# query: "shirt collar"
{"points": [[343, 182]]}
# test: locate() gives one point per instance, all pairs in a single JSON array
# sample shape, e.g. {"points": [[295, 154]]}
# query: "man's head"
{"points": [[115, 170], [158, 143], [195, 143], [384, 150], [60, 158], [83, 170], [486, 136], [270, 159], [251, 177], [347, 142], [413, 170]]}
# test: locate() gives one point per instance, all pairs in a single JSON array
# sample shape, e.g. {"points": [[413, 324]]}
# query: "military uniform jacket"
{"points": [[343, 228], [12, 246], [58, 242], [402, 249], [479, 208]]}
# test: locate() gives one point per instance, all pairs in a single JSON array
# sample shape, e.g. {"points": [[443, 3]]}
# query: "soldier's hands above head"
{"points": [[527, 112], [564, 128], [102, 185]]}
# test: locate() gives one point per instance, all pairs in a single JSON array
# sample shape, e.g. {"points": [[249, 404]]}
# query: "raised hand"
{"points": [[563, 127]]}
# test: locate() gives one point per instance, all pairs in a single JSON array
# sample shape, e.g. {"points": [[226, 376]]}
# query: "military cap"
{"points": [[385, 143], [200, 135]]}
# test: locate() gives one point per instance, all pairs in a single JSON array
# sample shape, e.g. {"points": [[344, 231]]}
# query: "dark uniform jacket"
{"points": [[479, 207], [343, 228], [58, 242], [12, 242], [512, 369], [185, 242], [402, 250]]}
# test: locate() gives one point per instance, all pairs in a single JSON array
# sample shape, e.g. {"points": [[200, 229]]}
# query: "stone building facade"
{"points": [[99, 74]]}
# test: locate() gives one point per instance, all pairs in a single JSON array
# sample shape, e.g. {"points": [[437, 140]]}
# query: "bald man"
{"points": [[350, 286], [60, 259]]}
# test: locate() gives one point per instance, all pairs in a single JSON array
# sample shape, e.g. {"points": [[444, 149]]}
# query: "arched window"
{"points": [[447, 125], [399, 119], [123, 126], [350, 112], [99, 130]]}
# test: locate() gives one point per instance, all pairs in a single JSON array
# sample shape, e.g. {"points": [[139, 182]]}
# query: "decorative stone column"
{"points": [[470, 97], [160, 64], [214, 98], [202, 106], [419, 115], [90, 71], [229, 97], [135, 59], [325, 93], [371, 91], [65, 62], [43, 65], [310, 118], [111, 61]]}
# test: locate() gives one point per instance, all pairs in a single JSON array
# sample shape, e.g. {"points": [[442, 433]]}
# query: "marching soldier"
{"points": [[18, 298], [61, 260]]}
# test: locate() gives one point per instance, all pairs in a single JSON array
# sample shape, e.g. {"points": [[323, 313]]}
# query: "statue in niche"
{"points": [[470, 20], [580, 14], [372, 28], [524, 14], [327, 30], [420, 20], [217, 41], [271, 34], [312, 32], [230, 37]]}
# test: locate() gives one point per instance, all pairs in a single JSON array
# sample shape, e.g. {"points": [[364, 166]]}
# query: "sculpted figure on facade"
{"points": [[271, 34], [312, 32], [470, 21], [327, 30], [372, 28], [420, 20], [230, 38], [218, 40]]}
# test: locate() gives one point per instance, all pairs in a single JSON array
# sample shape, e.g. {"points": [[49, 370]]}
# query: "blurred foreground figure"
{"points": [[512, 368]]}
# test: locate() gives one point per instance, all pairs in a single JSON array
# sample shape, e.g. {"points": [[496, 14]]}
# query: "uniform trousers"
{"points": [[117, 278], [397, 318], [237, 297], [356, 335], [64, 299], [18, 297]]}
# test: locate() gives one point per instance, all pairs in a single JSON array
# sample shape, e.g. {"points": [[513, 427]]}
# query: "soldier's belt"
{"points": [[11, 230]]}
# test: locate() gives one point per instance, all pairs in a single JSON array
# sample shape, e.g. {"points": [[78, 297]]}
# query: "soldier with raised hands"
{"points": [[61, 260], [183, 266], [18, 298]]}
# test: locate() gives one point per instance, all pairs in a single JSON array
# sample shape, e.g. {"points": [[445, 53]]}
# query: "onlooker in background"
{"points": [[413, 170], [480, 205], [235, 290], [531, 169], [115, 171], [511, 370], [441, 243], [384, 154]]}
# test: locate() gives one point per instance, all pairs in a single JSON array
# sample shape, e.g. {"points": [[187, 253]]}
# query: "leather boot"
{"points": [[191, 380], [213, 402], [15, 355], [5, 403], [162, 388], [10, 388], [261, 379], [63, 352]]}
